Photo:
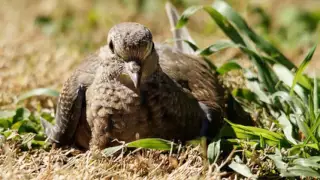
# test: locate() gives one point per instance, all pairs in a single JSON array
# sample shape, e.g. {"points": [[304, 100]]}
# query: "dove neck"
{"points": [[149, 66]]}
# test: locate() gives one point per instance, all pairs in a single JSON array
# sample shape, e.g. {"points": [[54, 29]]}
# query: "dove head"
{"points": [[132, 45]]}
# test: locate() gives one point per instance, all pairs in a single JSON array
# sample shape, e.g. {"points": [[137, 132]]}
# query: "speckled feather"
{"points": [[97, 104]]}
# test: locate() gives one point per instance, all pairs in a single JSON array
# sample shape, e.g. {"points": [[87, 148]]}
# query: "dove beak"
{"points": [[133, 71], [135, 79]]}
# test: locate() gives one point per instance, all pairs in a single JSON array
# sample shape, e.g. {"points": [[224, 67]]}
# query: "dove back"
{"points": [[209, 103]]}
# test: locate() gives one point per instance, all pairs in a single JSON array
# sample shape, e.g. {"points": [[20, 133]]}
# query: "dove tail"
{"points": [[49, 130], [178, 34], [237, 114]]}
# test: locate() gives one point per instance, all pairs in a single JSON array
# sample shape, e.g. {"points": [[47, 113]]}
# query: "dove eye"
{"points": [[111, 46]]}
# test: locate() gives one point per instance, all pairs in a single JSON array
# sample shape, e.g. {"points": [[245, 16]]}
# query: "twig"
{"points": [[228, 159]]}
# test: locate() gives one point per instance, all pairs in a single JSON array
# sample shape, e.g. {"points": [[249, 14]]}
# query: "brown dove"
{"points": [[134, 88]]}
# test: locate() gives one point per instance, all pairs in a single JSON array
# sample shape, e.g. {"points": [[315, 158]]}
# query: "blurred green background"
{"points": [[42, 41]]}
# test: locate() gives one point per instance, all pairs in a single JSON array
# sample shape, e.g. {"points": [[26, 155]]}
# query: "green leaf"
{"points": [[152, 143], [307, 132], [304, 81], [300, 171], [238, 166], [250, 132], [300, 147], [7, 133], [225, 26], [244, 94], [193, 46], [186, 14], [266, 75], [218, 46], [37, 143], [111, 150], [27, 127], [287, 127], [38, 92], [7, 114], [302, 67], [277, 159], [43, 20], [264, 71], [315, 97], [308, 162], [286, 76], [27, 140], [21, 114], [213, 151], [47, 25], [224, 9], [297, 105], [18, 124], [12, 135], [262, 142], [254, 85], [314, 127], [4, 124], [229, 66]]}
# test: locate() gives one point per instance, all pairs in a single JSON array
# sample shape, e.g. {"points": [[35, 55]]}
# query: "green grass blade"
{"points": [[192, 45], [245, 94], [213, 151], [229, 66], [4, 124], [308, 162], [267, 76], [302, 171], [264, 71], [254, 85], [300, 146], [111, 150], [302, 67], [286, 76], [38, 92], [196, 48], [257, 131], [308, 133], [152, 143], [21, 114], [315, 96], [287, 128], [314, 127], [227, 11], [296, 104], [238, 166], [225, 26], [311, 109], [7, 114], [218, 46], [305, 82], [184, 18]]}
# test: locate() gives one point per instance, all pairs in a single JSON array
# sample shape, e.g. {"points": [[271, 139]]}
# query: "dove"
{"points": [[133, 88]]}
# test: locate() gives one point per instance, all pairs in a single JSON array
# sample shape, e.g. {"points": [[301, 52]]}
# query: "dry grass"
{"points": [[29, 59], [71, 163]]}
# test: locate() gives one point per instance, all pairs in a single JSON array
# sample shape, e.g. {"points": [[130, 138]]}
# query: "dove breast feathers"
{"points": [[179, 96]]}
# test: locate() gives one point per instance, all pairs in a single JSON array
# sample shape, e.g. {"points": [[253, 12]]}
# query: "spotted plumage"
{"points": [[134, 88]]}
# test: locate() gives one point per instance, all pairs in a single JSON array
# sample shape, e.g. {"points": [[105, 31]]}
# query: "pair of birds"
{"points": [[134, 88]]}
